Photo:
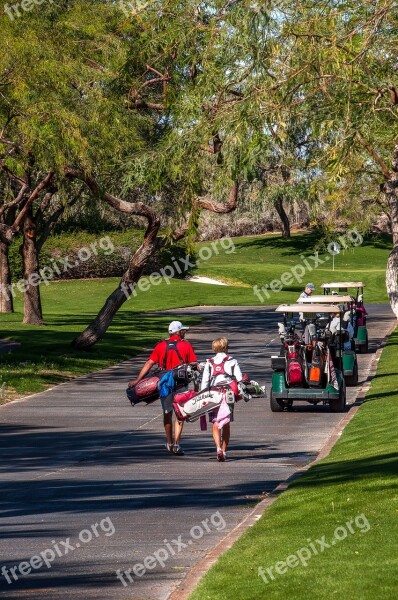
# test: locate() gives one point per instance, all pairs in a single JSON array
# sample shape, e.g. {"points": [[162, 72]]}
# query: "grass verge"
{"points": [[356, 484]]}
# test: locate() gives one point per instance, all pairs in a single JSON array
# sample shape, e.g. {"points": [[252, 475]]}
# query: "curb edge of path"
{"points": [[188, 585]]}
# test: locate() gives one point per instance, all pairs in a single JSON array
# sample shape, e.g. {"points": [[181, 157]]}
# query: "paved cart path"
{"points": [[86, 483]]}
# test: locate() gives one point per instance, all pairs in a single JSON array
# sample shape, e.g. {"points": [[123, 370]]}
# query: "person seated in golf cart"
{"points": [[347, 328], [308, 290]]}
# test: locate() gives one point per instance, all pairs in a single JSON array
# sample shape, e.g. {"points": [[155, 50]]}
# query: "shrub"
{"points": [[96, 262]]}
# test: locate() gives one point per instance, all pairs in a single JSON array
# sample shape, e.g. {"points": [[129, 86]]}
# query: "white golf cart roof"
{"points": [[310, 308], [325, 299], [343, 284]]}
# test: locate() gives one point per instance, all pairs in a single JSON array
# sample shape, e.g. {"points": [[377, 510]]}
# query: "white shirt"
{"points": [[231, 368], [335, 328]]}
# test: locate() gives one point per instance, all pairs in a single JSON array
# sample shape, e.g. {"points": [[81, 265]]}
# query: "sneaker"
{"points": [[169, 448], [178, 450], [220, 456]]}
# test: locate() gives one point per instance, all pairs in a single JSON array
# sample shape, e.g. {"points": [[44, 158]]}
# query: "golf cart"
{"points": [[347, 303], [359, 314], [309, 367]]}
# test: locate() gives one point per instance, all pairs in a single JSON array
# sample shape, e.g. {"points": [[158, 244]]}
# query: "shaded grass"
{"points": [[358, 480]]}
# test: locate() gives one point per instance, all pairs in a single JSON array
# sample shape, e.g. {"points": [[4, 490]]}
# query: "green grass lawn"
{"points": [[356, 484], [45, 357], [257, 261]]}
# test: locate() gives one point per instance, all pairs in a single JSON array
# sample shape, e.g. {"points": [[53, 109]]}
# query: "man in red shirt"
{"points": [[169, 354]]}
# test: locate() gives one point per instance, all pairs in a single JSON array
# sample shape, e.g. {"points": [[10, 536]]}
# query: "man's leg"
{"points": [[168, 426]]}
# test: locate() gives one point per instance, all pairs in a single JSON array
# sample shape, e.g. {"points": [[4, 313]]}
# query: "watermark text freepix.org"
{"points": [[297, 273], [16, 10], [58, 549], [132, 8], [58, 267], [303, 555], [171, 548], [179, 266]]}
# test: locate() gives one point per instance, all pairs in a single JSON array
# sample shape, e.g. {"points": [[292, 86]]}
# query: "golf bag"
{"points": [[182, 375], [190, 406], [361, 316], [294, 372], [317, 368], [145, 391], [294, 367]]}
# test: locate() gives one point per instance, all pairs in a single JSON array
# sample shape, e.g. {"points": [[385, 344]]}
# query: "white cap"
{"points": [[176, 326]]}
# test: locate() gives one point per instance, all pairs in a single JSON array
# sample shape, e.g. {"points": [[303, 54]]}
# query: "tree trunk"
{"points": [[98, 327], [33, 314], [391, 193], [6, 299], [392, 279], [278, 203]]}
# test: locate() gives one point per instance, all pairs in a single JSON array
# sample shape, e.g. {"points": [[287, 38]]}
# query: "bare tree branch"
{"points": [[134, 208], [139, 103], [384, 169], [42, 185], [12, 175], [217, 207], [203, 203], [16, 201]]}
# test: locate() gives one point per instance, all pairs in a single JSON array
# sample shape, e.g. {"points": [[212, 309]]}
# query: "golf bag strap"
{"points": [[221, 369], [172, 346]]}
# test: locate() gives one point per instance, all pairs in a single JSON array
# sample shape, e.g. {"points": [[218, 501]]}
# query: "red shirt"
{"points": [[184, 348]]}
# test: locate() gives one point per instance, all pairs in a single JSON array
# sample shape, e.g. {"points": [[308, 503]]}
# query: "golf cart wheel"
{"points": [[338, 404], [276, 404], [352, 379]]}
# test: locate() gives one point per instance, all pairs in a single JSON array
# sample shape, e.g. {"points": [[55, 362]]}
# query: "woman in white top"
{"points": [[218, 370], [335, 325]]}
